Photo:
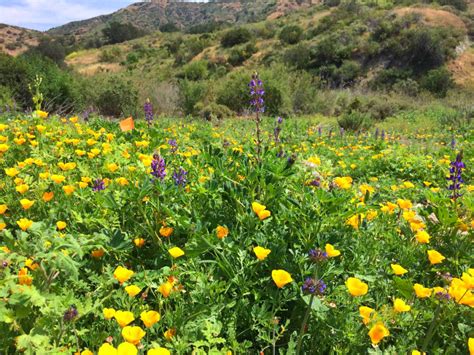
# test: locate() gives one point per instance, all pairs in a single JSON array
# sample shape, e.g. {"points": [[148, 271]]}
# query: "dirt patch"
{"points": [[462, 68], [15, 40], [435, 18]]}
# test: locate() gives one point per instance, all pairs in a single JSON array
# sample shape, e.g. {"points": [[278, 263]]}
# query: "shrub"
{"points": [[51, 49], [235, 36], [239, 55], [110, 55], [117, 97], [169, 27], [354, 121], [437, 81], [291, 34], [196, 70], [117, 32], [458, 4], [297, 56], [407, 87], [191, 92], [215, 111]]}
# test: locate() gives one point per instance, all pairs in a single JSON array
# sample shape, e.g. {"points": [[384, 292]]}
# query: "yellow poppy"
{"points": [[122, 274], [356, 287], [176, 252], [149, 318], [378, 332], [398, 269], [435, 257], [132, 290], [133, 334], [400, 306], [124, 318], [261, 253], [281, 278], [331, 251]]}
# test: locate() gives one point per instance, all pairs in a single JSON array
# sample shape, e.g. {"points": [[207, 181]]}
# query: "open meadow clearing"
{"points": [[177, 237]]}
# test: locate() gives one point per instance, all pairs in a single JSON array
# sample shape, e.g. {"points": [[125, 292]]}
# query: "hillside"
{"points": [[151, 16], [16, 40]]}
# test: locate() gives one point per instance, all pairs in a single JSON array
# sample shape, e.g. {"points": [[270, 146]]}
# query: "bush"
{"points": [[408, 87], [457, 4], [191, 93], [51, 49], [169, 27], [297, 56], [196, 70], [215, 111], [239, 55], [117, 32], [110, 55], [235, 36], [291, 34], [437, 81], [6, 98], [354, 121], [117, 97]]}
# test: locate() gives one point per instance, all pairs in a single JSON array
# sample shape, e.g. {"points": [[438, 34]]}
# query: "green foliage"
{"points": [[215, 111], [461, 5], [51, 49], [117, 97], [191, 93], [111, 55], [354, 121], [291, 34], [238, 55], [117, 32], [196, 70], [169, 27], [235, 36], [437, 81]]}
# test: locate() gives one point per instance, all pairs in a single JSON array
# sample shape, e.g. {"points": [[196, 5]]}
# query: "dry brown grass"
{"points": [[12, 35], [462, 68], [435, 18]]}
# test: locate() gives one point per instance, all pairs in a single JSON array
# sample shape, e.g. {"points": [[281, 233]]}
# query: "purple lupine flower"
{"points": [[315, 183], [158, 167], [317, 255], [148, 108], [180, 177], [279, 120], [280, 153], [99, 185], [382, 136], [320, 131], [256, 93], [341, 131], [377, 133], [453, 143], [71, 314], [290, 161], [455, 176], [313, 286], [173, 144], [226, 143], [443, 296]]}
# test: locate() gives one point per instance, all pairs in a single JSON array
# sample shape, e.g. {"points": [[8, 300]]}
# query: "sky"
{"points": [[45, 14]]}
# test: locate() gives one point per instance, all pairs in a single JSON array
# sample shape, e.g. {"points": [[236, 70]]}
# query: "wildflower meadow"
{"points": [[264, 235]]}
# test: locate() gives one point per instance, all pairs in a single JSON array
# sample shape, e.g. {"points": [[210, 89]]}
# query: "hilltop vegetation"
{"points": [[376, 60]]}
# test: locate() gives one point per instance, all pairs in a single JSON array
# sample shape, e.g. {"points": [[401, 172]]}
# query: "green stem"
{"points": [[431, 329], [303, 325]]}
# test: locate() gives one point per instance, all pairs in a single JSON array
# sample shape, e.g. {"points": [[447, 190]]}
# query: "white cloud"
{"points": [[42, 14]]}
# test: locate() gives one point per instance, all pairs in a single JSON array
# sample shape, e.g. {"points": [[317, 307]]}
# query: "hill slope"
{"points": [[150, 16], [17, 40]]}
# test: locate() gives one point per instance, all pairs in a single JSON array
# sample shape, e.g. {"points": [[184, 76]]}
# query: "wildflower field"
{"points": [[187, 237]]}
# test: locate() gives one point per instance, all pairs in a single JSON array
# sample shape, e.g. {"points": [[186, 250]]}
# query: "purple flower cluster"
{"points": [[70, 314], [313, 286], [180, 177], [317, 255], [256, 93], [174, 145], [158, 167], [148, 108], [455, 176], [277, 130], [99, 185]]}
